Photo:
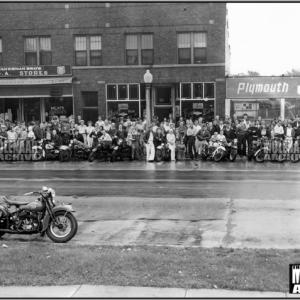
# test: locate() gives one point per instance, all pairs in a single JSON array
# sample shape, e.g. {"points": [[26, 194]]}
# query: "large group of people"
{"points": [[184, 138]]}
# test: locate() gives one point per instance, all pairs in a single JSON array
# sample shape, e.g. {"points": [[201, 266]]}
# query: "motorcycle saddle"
{"points": [[13, 201]]}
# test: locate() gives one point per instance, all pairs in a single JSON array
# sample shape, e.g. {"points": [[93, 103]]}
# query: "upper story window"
{"points": [[139, 49], [88, 50], [1, 59], [192, 48], [38, 51]]}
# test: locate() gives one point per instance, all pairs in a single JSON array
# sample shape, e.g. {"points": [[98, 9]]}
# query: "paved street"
{"points": [[209, 204]]}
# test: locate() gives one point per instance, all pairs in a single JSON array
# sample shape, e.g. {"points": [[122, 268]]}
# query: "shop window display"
{"points": [[123, 109], [195, 109]]}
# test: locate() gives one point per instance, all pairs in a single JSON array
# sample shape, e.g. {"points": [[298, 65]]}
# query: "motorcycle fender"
{"points": [[221, 147], [3, 212], [94, 150], [256, 152], [64, 208]]}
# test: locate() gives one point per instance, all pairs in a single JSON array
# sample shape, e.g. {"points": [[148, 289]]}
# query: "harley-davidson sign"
{"points": [[35, 71], [262, 87]]}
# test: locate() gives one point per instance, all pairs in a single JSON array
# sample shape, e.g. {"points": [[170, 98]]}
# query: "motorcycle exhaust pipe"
{"points": [[18, 231]]}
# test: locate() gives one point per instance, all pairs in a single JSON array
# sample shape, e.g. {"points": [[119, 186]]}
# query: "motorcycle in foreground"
{"points": [[41, 216]]}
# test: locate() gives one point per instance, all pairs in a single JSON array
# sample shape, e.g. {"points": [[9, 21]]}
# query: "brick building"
{"points": [[89, 59]]}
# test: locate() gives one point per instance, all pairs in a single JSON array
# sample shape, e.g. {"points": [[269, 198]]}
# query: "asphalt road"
{"points": [[149, 183], [187, 206]]}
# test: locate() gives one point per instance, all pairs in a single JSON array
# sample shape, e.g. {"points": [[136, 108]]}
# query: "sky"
{"points": [[264, 37]]}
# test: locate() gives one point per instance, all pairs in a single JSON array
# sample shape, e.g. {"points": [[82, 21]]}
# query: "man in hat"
{"points": [[82, 128], [149, 142]]}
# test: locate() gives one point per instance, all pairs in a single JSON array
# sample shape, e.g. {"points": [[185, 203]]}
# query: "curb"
{"points": [[84, 291]]}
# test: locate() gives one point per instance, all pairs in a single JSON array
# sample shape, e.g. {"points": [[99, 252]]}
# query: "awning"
{"points": [[36, 81]]}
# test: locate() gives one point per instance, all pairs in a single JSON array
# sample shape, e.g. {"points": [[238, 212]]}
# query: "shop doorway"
{"points": [[163, 102], [32, 109]]}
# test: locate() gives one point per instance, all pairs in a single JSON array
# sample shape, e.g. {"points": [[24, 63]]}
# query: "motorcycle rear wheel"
{"points": [[60, 236], [158, 155], [260, 156]]}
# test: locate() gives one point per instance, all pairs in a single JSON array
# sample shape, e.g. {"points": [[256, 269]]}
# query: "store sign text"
{"points": [[263, 87]]}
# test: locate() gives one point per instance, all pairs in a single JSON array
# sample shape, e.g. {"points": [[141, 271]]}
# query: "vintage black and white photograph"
{"points": [[149, 149]]}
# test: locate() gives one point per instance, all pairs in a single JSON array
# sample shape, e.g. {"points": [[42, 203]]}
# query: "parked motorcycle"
{"points": [[163, 152], [263, 149], [52, 152], [79, 150], [41, 216], [121, 150], [103, 150]]}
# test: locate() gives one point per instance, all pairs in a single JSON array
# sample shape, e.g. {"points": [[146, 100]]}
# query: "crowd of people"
{"points": [[185, 138]]}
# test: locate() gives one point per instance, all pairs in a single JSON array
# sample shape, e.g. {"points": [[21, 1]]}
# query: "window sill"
{"points": [[149, 66]]}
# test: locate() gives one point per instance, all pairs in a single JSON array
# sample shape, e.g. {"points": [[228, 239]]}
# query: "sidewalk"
{"points": [[89, 291]]}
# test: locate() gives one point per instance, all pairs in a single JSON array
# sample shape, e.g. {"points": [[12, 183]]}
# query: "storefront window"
{"points": [[61, 107], [198, 108], [117, 109]]}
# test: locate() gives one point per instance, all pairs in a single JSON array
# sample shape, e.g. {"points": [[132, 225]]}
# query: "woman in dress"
{"points": [[89, 130], [171, 139]]}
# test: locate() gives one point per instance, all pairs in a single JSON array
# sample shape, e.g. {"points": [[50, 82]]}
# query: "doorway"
{"points": [[163, 102], [32, 109]]}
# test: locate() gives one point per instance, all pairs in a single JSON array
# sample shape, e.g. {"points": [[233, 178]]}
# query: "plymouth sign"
{"points": [[262, 87], [35, 71]]}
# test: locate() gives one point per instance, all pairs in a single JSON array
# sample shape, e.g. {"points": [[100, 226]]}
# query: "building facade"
{"points": [[89, 59]]}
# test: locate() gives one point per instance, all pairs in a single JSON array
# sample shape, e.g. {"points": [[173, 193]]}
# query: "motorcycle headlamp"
{"points": [[235, 140]]}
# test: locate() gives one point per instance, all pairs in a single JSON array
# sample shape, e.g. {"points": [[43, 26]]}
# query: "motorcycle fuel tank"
{"points": [[34, 206]]}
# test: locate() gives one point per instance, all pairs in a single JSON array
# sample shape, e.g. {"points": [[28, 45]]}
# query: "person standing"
{"points": [[83, 131], [296, 126], [191, 135], [253, 133], [89, 130], [203, 136], [149, 142], [100, 122], [241, 136], [171, 139], [134, 141]]}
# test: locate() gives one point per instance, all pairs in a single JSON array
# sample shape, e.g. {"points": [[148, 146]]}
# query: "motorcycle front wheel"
{"points": [[63, 229], [64, 156], [92, 156], [158, 155], [233, 155], [219, 155], [260, 156]]}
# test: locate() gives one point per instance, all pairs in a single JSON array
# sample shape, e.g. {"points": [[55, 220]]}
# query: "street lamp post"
{"points": [[148, 80]]}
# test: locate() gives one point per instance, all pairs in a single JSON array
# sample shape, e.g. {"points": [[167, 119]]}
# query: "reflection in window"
{"points": [[122, 91], [186, 90], [111, 92], [198, 90], [209, 90]]}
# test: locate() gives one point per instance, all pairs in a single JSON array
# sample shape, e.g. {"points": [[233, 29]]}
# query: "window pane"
{"points": [[122, 91], [30, 58], [1, 60], [95, 42], [163, 95], [200, 55], [200, 40], [95, 58], [131, 42], [186, 90], [111, 92], [198, 90], [80, 43], [132, 57], [30, 44], [45, 44], [133, 91], [184, 40], [45, 58], [90, 99], [147, 57], [0, 45], [209, 90], [184, 56], [80, 58], [147, 41]]}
